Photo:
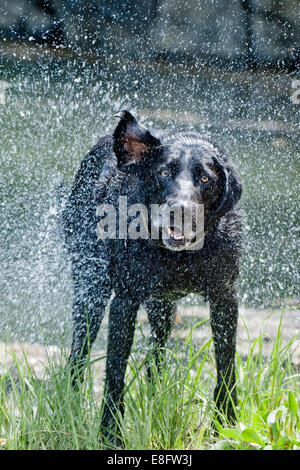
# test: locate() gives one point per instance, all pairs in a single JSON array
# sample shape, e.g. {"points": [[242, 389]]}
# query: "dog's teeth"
{"points": [[172, 235], [178, 237]]}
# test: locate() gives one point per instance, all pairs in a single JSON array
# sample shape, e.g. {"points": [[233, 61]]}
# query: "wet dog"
{"points": [[180, 170]]}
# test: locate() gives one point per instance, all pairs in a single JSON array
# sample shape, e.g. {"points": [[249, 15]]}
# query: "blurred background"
{"points": [[217, 31], [227, 69]]}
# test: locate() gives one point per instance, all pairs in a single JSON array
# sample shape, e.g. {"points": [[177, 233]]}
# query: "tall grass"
{"points": [[174, 410]]}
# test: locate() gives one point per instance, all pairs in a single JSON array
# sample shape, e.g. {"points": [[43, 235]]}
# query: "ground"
{"points": [[252, 323]]}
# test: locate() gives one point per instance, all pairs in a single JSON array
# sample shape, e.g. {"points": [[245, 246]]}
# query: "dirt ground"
{"points": [[252, 323]]}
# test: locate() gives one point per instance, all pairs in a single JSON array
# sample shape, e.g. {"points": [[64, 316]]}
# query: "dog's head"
{"points": [[181, 170]]}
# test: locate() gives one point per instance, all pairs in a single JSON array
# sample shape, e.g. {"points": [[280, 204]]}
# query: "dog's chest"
{"points": [[158, 271]]}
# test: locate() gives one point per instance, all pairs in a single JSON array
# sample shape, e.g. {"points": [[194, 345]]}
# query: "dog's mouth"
{"points": [[183, 232], [176, 237]]}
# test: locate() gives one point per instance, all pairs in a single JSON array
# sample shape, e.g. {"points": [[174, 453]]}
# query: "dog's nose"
{"points": [[181, 208], [180, 214]]}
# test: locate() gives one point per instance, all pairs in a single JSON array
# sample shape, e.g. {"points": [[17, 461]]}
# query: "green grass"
{"points": [[174, 411]]}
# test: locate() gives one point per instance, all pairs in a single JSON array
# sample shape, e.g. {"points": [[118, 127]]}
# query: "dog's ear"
{"points": [[132, 141], [230, 186]]}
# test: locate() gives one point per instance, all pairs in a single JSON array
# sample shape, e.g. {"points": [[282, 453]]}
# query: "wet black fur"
{"points": [[146, 273]]}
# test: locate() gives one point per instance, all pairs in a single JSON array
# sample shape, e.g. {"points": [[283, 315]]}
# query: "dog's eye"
{"points": [[204, 178], [165, 173]]}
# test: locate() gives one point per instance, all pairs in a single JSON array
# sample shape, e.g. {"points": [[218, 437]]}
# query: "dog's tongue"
{"points": [[177, 233]]}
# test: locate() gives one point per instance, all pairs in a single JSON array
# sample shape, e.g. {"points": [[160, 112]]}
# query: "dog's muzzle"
{"points": [[182, 226]]}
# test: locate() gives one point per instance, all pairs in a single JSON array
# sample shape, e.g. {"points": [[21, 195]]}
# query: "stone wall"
{"points": [[260, 30]]}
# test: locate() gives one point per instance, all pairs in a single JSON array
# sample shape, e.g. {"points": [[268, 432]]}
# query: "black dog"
{"points": [[180, 169]]}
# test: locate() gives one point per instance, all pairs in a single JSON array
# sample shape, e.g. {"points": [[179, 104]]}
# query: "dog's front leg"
{"points": [[122, 317], [224, 316]]}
